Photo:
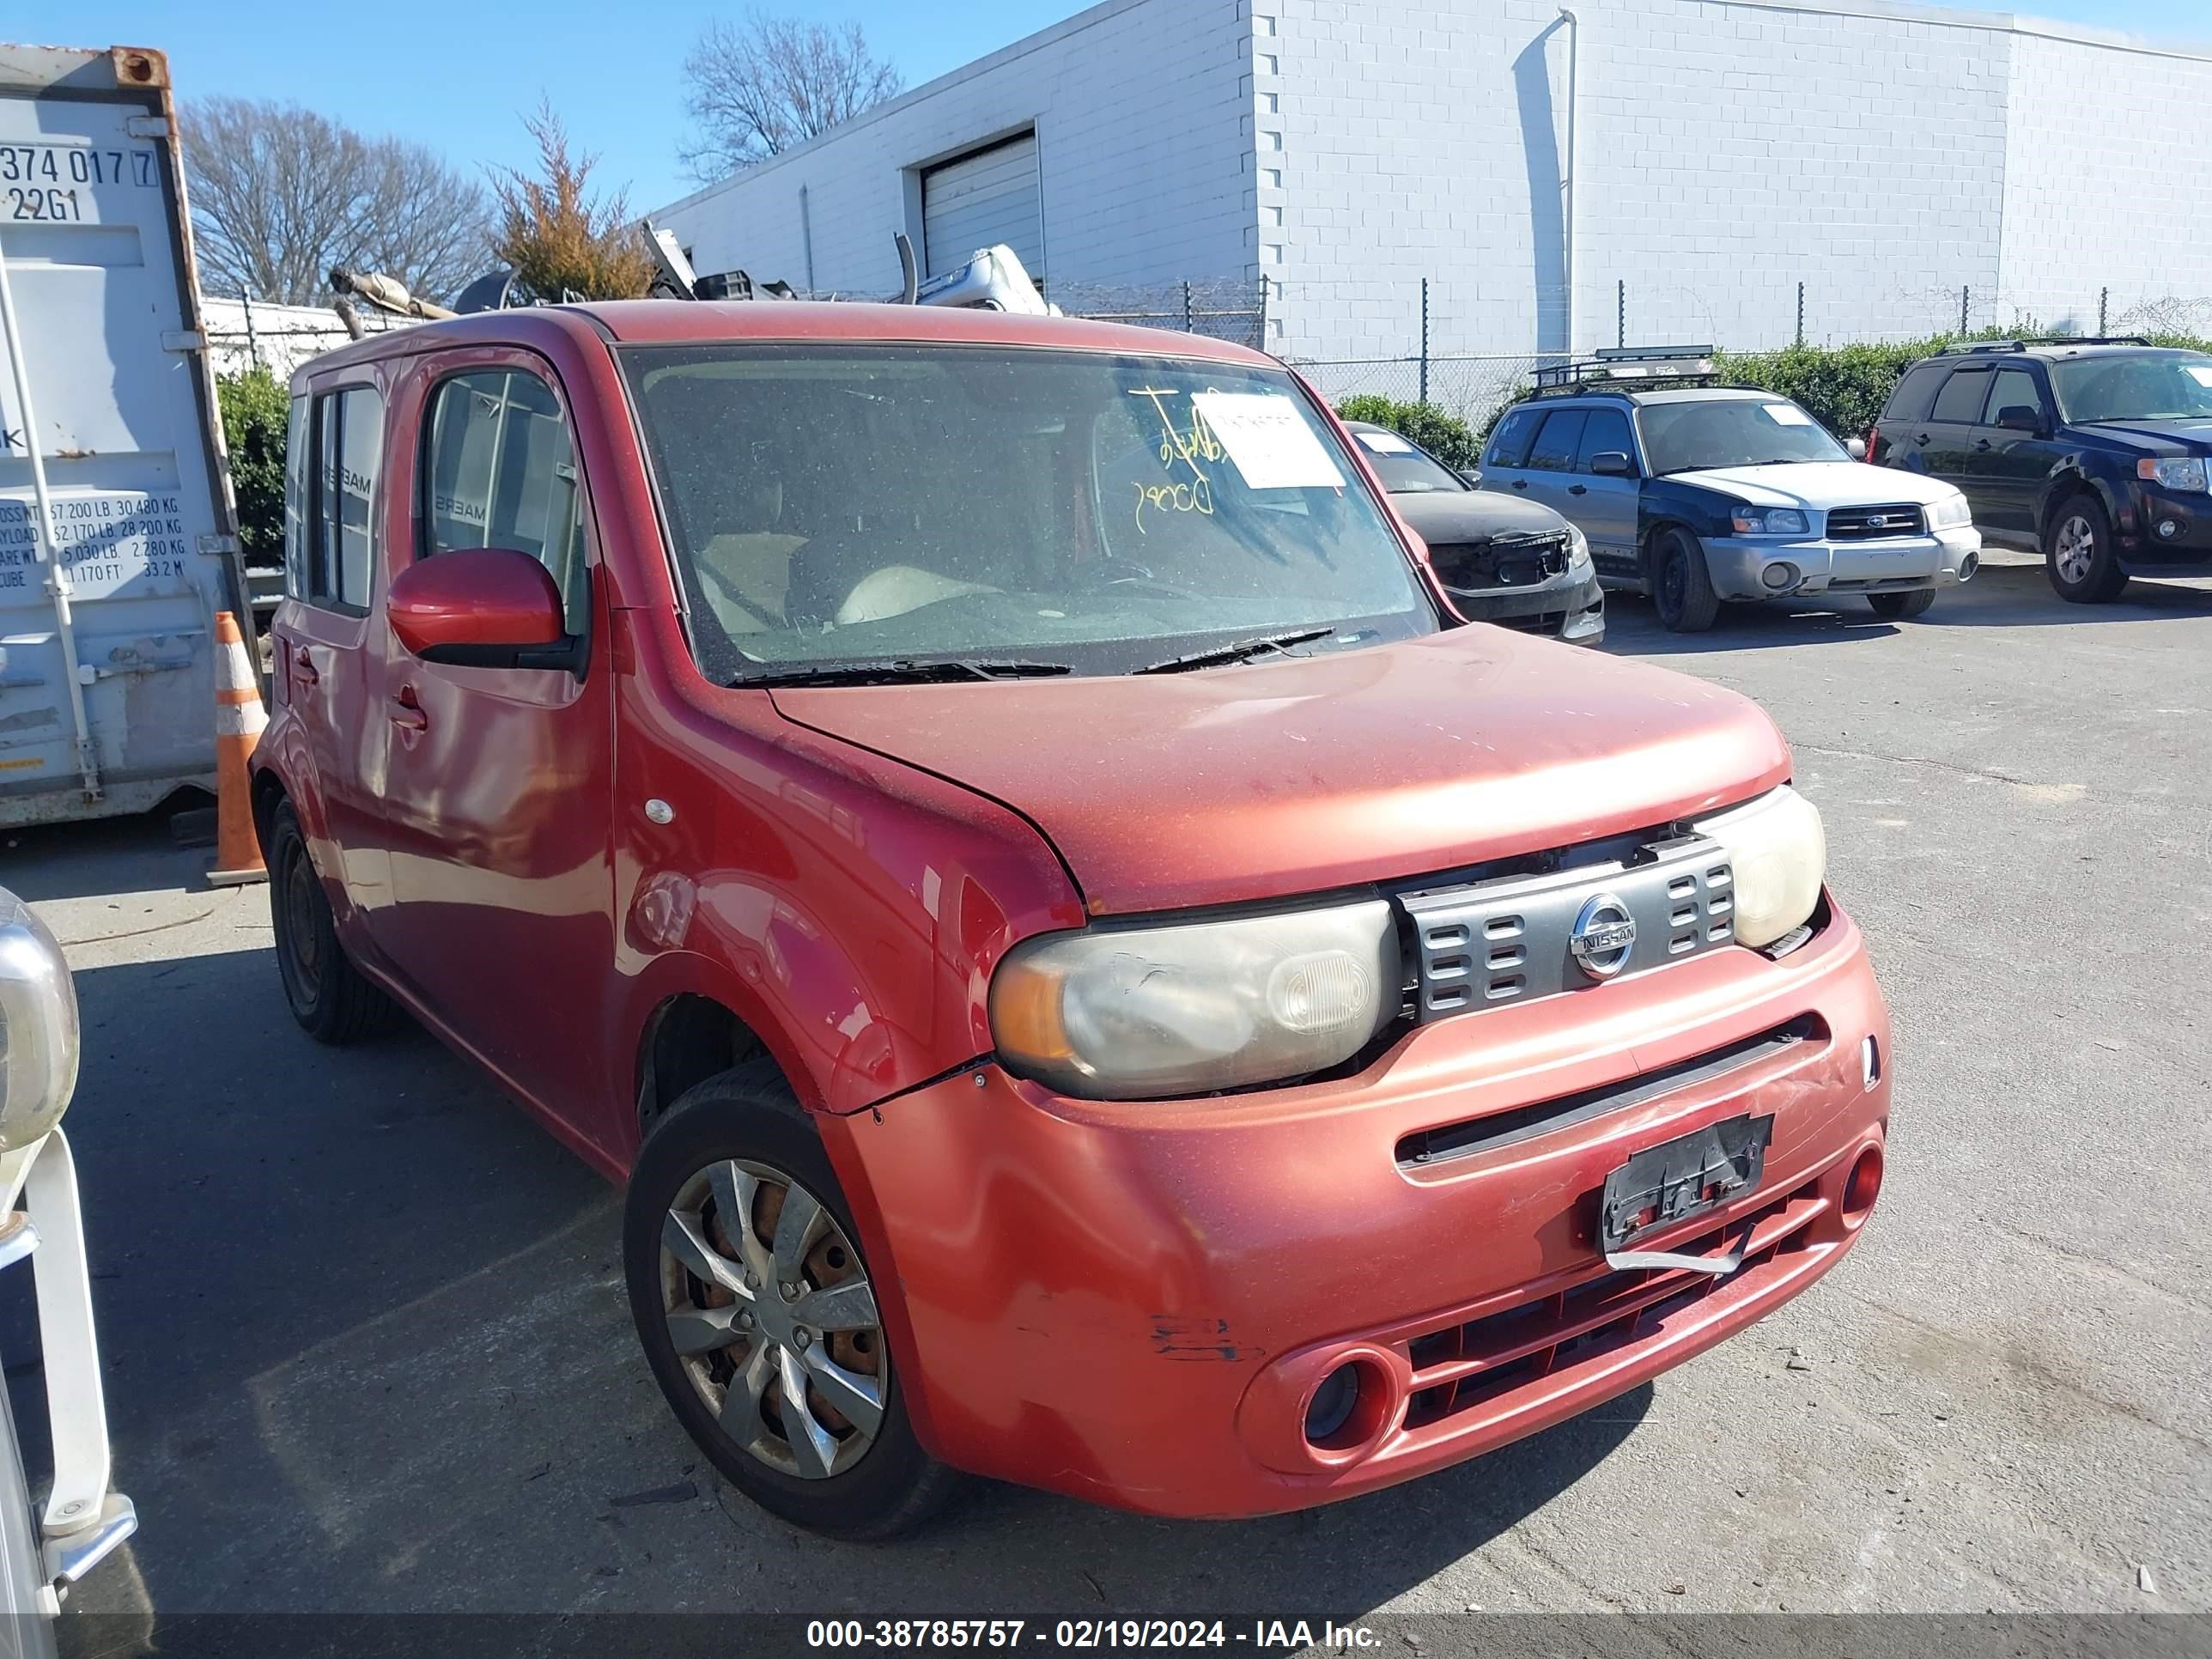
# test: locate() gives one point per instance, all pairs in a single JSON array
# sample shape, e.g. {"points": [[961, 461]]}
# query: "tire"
{"points": [[1899, 607], [744, 1126], [2078, 554], [329, 997], [1681, 586]]}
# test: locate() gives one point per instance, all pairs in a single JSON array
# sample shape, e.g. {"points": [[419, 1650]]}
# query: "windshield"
{"points": [[1683, 437], [2167, 386], [877, 505], [1405, 470]]}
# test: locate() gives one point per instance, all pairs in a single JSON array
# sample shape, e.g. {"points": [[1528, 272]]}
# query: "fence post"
{"points": [[1188, 326], [252, 346], [1963, 294], [1261, 344], [1800, 313], [1424, 339], [2104, 296], [1620, 314]]}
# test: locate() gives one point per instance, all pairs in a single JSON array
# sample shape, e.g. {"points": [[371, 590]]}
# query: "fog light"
{"points": [[2169, 527], [1776, 577], [1863, 1186], [1333, 1403]]}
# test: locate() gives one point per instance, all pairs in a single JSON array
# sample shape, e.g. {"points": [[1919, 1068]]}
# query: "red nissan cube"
{"points": [[1090, 973]]}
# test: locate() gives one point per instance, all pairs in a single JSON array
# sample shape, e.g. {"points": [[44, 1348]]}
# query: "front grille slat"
{"points": [[1462, 1368], [1863, 524], [1614, 1298]]}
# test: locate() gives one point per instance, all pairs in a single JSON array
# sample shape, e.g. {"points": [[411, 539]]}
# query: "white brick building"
{"points": [[1892, 158]]}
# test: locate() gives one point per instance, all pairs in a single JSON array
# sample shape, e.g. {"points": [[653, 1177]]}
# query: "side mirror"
{"points": [[1611, 464], [1855, 448], [1469, 476], [2020, 417], [482, 607], [38, 1027]]}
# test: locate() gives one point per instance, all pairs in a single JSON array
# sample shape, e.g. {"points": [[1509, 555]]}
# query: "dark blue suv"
{"points": [[2093, 453]]}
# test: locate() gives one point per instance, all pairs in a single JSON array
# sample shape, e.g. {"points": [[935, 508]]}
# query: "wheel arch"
{"points": [[687, 1037], [2065, 486]]}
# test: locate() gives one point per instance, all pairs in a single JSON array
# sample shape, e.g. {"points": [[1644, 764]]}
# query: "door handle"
{"points": [[1982, 444], [303, 665], [1520, 483], [1577, 490], [407, 714], [1920, 437]]}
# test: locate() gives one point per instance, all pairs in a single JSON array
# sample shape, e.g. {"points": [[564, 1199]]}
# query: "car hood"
{"points": [[1819, 485], [2190, 437], [1474, 515], [1261, 779]]}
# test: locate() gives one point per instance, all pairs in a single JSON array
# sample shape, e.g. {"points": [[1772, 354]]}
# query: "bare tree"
{"points": [[756, 88], [555, 236], [280, 195]]}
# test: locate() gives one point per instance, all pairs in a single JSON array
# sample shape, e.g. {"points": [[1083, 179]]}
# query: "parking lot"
{"points": [[367, 1350]]}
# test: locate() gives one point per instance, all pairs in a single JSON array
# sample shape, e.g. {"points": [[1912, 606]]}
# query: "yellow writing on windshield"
{"points": [[1188, 447]]}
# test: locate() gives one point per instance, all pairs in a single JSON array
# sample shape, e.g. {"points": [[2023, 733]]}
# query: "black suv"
{"points": [[2093, 453]]}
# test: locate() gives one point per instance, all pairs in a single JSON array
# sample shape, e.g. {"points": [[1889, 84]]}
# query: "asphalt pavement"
{"points": [[367, 1348]]}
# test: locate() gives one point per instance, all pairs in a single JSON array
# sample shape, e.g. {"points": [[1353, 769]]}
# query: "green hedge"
{"points": [[256, 410], [1445, 436]]}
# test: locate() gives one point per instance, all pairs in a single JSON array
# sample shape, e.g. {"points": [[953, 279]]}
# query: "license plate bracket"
{"points": [[1681, 1178]]}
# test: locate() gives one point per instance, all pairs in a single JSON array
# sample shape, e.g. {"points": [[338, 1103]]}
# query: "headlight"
{"points": [[1130, 1013], [1768, 521], [2173, 472], [1951, 513], [1779, 855], [38, 1027], [1577, 546]]}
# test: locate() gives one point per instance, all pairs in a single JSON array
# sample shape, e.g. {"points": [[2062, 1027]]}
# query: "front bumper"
{"points": [[1133, 1302], [1568, 606], [1740, 565], [2164, 527]]}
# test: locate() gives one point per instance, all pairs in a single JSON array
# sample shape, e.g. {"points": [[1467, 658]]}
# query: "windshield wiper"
{"points": [[887, 670], [1238, 651]]}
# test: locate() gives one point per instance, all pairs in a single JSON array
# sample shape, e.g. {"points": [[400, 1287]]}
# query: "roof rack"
{"points": [[1967, 348], [1633, 367]]}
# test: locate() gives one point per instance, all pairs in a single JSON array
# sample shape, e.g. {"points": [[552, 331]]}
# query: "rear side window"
{"points": [[334, 456], [1509, 445], [1606, 429], [1912, 396], [1960, 399], [2012, 388], [500, 471], [1555, 445]]}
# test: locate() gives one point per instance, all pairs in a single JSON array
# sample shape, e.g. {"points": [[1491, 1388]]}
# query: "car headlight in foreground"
{"points": [[1577, 548], [1188, 1008], [1779, 855], [1951, 512], [2173, 472], [1768, 521], [38, 1027]]}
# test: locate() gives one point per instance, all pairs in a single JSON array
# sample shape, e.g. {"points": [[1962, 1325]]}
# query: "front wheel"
{"points": [[1899, 606], [758, 1314], [1681, 586], [2079, 555]]}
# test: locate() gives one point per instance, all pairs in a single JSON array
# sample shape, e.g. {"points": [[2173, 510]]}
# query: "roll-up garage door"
{"points": [[987, 196]]}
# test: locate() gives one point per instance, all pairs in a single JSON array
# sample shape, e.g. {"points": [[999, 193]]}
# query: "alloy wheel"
{"points": [[2075, 550], [773, 1319]]}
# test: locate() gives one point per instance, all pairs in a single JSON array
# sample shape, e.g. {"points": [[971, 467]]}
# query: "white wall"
{"points": [[279, 338], [1144, 170], [2107, 150], [1886, 155]]}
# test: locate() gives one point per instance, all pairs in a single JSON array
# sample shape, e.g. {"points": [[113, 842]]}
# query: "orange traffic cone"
{"points": [[239, 721]]}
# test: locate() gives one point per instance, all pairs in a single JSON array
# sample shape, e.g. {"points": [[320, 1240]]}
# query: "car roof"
{"points": [[1682, 394], [677, 322], [2053, 351]]}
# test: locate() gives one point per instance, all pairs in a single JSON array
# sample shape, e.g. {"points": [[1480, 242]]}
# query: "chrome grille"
{"points": [[1483, 944], [1866, 523]]}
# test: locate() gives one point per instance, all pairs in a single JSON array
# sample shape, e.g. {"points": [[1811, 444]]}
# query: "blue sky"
{"points": [[458, 75]]}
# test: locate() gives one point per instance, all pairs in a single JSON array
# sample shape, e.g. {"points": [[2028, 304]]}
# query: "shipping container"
{"points": [[118, 539]]}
